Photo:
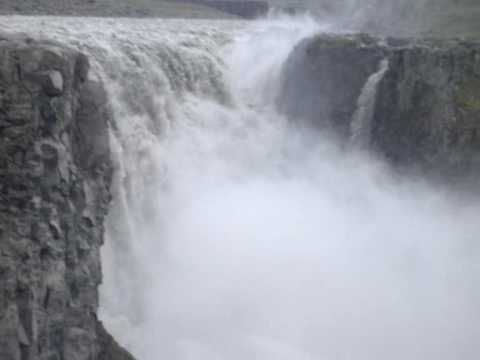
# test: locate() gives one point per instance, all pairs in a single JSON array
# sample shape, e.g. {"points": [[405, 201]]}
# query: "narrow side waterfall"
{"points": [[362, 118], [236, 235]]}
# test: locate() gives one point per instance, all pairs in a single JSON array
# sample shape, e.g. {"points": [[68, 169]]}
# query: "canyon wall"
{"points": [[425, 111], [428, 108], [55, 174]]}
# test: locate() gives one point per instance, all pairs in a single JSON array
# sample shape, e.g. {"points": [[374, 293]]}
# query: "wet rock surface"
{"points": [[428, 108], [426, 111], [324, 76], [55, 174]]}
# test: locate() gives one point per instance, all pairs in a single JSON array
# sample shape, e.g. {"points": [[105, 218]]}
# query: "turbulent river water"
{"points": [[234, 234]]}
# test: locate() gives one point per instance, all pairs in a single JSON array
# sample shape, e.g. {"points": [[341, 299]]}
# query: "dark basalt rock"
{"points": [[428, 108], [55, 173], [110, 350], [324, 76], [426, 113]]}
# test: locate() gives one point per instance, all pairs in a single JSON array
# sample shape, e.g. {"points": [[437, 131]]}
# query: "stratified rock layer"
{"points": [[55, 174]]}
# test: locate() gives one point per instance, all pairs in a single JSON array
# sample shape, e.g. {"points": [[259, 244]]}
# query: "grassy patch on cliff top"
{"points": [[468, 95]]}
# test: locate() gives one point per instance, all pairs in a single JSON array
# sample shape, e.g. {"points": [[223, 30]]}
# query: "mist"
{"points": [[240, 235], [305, 254], [399, 18]]}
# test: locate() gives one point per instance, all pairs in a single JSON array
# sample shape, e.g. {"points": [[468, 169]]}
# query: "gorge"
{"points": [[278, 189]]}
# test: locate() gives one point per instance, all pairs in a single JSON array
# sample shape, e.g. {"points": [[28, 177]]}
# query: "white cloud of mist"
{"points": [[253, 239], [319, 254], [384, 17]]}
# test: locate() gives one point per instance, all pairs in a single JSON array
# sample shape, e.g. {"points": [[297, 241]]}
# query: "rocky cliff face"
{"points": [[426, 107], [324, 76], [55, 174]]}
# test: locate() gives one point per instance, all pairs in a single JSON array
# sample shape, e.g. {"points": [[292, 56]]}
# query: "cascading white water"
{"points": [[234, 235], [361, 125]]}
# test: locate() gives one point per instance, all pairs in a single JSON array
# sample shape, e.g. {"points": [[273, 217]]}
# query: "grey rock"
{"points": [[428, 108], [53, 85], [50, 82], [55, 173], [323, 78], [82, 67], [91, 138], [110, 350], [426, 114]]}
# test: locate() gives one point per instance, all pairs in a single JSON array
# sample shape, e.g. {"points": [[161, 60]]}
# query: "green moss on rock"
{"points": [[468, 95]]}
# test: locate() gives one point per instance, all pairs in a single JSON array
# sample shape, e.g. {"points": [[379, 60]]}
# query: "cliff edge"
{"points": [[55, 174]]}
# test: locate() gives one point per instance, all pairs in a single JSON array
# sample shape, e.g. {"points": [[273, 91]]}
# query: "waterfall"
{"points": [[234, 234], [361, 125]]}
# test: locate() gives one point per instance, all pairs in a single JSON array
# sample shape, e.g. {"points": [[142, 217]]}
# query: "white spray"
{"points": [[361, 125]]}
